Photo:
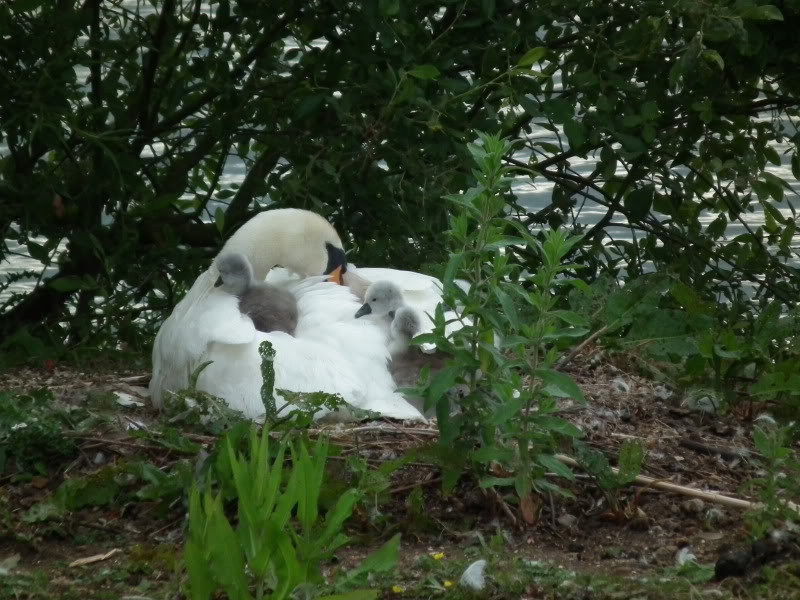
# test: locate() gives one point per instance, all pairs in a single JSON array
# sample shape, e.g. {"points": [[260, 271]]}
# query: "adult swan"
{"points": [[330, 350]]}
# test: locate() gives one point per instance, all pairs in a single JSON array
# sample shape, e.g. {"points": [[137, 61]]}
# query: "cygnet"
{"points": [[271, 308]]}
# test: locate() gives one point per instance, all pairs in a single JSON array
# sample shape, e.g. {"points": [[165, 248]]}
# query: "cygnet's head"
{"points": [[405, 324], [235, 273], [382, 298]]}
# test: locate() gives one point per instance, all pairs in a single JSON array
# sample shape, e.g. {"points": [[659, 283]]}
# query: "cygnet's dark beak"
{"points": [[218, 282], [364, 310]]}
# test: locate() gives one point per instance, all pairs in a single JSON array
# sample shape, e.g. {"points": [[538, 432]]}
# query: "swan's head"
{"points": [[405, 324], [382, 298], [299, 240], [235, 273]]}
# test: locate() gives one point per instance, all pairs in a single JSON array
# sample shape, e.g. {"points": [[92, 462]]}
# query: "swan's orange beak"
{"points": [[336, 276]]}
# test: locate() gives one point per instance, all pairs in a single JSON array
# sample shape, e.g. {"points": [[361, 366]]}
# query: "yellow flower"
{"points": [[448, 583], [438, 556], [398, 589]]}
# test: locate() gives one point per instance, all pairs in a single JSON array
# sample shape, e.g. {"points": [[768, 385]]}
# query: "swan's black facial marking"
{"points": [[218, 282], [336, 259], [364, 310], [392, 314]]}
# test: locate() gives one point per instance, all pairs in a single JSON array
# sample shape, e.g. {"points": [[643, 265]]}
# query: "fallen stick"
{"points": [[93, 559], [703, 448], [685, 491], [565, 360]]}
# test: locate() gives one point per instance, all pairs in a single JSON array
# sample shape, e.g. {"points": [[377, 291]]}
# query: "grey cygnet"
{"points": [[271, 308]]}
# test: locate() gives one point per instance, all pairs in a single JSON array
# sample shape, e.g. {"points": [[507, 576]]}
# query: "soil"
{"points": [[647, 534]]}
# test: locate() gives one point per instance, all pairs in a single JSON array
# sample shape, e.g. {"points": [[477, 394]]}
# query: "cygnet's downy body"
{"points": [[271, 308], [384, 300]]}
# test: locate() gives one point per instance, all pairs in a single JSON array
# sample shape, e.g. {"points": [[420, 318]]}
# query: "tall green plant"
{"points": [[777, 486], [268, 551], [513, 332]]}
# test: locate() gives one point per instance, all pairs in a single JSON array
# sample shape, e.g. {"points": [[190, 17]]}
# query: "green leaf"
{"points": [[631, 143], [509, 310], [550, 462], [558, 425], [219, 219], [442, 381], [506, 411], [717, 227], [534, 55], [69, 283], [772, 155], [572, 318], [38, 251], [504, 242], [424, 72], [227, 563], [451, 271], [649, 110], [389, 8], [713, 56], [487, 482], [575, 132], [560, 384], [689, 299], [487, 454], [631, 458], [99, 489], [382, 560], [765, 12], [26, 5], [559, 110], [638, 202], [308, 106], [201, 585], [334, 520]]}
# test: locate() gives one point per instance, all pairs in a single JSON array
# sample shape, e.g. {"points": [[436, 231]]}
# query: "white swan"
{"points": [[421, 292], [330, 351]]}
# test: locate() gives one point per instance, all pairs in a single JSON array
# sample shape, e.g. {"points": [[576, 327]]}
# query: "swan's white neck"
{"points": [[288, 237]]}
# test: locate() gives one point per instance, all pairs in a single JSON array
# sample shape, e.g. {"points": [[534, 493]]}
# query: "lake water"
{"points": [[533, 196]]}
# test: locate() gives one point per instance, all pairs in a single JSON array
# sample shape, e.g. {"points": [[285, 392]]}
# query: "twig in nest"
{"points": [[331, 433], [686, 491], [382, 461], [703, 448], [409, 432], [575, 351], [155, 532], [111, 442], [506, 509], [105, 528], [405, 488]]}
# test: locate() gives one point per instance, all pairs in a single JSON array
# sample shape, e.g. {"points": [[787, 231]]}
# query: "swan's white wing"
{"points": [[220, 320], [204, 316], [330, 352], [408, 281]]}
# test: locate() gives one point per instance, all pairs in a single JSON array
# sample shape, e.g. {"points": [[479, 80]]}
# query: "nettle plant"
{"points": [[513, 334]]}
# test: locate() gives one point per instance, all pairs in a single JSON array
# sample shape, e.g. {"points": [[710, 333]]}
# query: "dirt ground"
{"points": [[650, 535]]}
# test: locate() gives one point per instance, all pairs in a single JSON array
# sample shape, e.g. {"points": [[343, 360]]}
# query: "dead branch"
{"points": [[685, 491]]}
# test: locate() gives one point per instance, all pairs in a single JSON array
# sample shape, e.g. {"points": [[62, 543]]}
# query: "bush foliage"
{"points": [[119, 117]]}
